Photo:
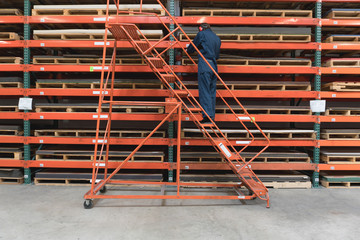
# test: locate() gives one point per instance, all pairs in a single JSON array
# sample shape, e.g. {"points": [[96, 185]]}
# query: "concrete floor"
{"points": [[47, 212]]}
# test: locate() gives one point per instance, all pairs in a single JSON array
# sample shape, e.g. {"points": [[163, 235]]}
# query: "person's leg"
{"points": [[204, 79], [213, 95]]}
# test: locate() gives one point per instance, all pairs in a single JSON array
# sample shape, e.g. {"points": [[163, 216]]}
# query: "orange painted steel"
{"points": [[179, 100]]}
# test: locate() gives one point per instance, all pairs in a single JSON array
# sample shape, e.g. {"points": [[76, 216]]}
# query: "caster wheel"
{"points": [[103, 189], [88, 204]]}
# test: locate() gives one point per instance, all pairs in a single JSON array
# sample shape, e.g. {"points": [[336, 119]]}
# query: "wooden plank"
{"points": [[342, 86], [247, 13], [92, 133], [255, 62], [303, 110], [10, 12], [11, 85], [95, 9], [328, 184], [9, 36], [11, 60], [233, 37], [9, 108], [87, 34], [11, 180]]}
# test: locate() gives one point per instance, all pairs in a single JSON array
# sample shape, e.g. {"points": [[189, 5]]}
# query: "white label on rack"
{"points": [[99, 19], [241, 197], [101, 43], [335, 46], [334, 70], [41, 165], [42, 19], [187, 167], [41, 141], [42, 44], [242, 142], [41, 93], [187, 143], [26, 176], [100, 68], [41, 117], [333, 95], [187, 118], [335, 22], [97, 180], [99, 141], [332, 168], [244, 118], [225, 150], [316, 179], [333, 120], [101, 116], [42, 69], [98, 92]]}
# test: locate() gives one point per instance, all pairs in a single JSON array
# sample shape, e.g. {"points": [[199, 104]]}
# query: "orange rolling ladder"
{"points": [[180, 102]]}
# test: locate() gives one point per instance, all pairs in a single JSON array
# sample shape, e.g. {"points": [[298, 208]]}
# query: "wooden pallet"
{"points": [[92, 133], [9, 130], [93, 108], [340, 184], [340, 134], [342, 62], [247, 13], [272, 181], [86, 61], [98, 9], [269, 157], [233, 37], [344, 14], [243, 134], [11, 60], [95, 84], [258, 85], [73, 155], [342, 86], [256, 62], [9, 108], [86, 34], [340, 157], [11, 153], [342, 111], [84, 178], [343, 38], [11, 180], [11, 85], [265, 110], [10, 12], [9, 36]]}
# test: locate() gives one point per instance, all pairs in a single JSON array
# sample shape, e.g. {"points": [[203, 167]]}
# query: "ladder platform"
{"points": [[124, 31]]}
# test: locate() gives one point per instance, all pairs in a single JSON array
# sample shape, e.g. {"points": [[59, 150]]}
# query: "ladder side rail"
{"points": [[108, 130], [117, 169]]}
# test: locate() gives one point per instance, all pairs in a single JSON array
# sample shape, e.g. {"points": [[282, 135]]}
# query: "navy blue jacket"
{"points": [[209, 45]]}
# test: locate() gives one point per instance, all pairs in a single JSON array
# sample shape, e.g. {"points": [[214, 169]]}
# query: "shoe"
{"points": [[205, 121]]}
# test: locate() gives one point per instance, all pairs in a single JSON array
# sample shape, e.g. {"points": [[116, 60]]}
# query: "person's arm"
{"points": [[196, 41], [218, 51]]}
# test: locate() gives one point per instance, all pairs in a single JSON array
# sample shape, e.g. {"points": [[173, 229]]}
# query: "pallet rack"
{"points": [[320, 73]]}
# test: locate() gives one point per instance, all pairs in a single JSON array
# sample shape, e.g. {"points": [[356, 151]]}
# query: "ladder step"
{"points": [[207, 125], [124, 32], [195, 109], [256, 187], [169, 78], [142, 45], [181, 93], [157, 62]]}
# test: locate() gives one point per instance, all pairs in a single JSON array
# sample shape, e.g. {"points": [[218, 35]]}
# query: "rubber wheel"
{"points": [[88, 204], [103, 189]]}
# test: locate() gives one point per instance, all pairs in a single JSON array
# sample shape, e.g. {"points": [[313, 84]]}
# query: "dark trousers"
{"points": [[207, 90]]}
